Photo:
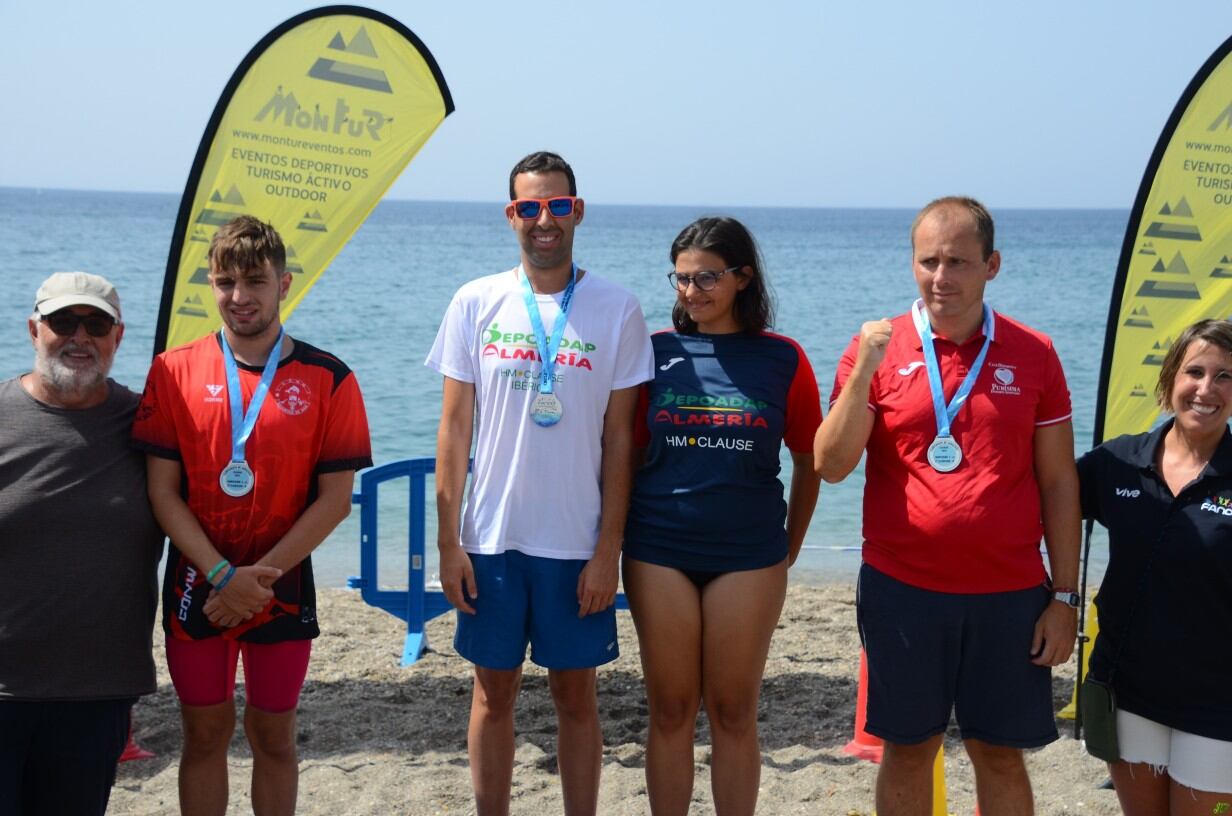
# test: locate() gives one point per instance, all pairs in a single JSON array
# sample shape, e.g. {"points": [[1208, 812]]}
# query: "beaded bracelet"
{"points": [[209, 576]]}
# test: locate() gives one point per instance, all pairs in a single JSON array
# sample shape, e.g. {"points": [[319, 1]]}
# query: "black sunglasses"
{"points": [[65, 323]]}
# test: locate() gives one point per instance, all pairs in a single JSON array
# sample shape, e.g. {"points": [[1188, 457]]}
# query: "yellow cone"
{"points": [[1090, 629], [938, 784]]}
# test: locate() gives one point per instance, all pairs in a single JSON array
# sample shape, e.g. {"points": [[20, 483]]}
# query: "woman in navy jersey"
{"points": [[709, 537]]}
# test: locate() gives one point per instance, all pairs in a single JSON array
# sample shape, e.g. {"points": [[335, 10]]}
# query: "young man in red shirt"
{"points": [[267, 433], [966, 419]]}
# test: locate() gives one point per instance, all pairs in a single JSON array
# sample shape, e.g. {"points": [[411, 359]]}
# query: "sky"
{"points": [[808, 104]]}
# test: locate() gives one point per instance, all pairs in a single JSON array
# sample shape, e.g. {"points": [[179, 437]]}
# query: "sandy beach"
{"points": [[375, 738]]}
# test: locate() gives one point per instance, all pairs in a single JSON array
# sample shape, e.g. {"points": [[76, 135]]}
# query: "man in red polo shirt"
{"points": [[966, 418]]}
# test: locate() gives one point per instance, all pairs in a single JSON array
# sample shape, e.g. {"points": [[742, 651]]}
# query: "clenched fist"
{"points": [[874, 337]]}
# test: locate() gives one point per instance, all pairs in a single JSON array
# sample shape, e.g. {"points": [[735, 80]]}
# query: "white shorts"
{"points": [[1201, 763]]}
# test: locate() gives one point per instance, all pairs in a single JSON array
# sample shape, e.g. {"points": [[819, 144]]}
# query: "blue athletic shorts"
{"points": [[526, 599], [933, 652]]}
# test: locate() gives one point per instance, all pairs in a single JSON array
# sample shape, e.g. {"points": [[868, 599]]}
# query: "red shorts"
{"points": [[203, 671]]}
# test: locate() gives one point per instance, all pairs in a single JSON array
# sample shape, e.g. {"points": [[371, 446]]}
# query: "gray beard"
{"points": [[70, 382]]}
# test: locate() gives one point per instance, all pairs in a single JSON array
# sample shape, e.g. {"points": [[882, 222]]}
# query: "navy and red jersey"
{"points": [[708, 496], [312, 422]]}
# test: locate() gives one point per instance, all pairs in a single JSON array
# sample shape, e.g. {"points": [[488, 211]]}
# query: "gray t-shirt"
{"points": [[79, 549]]}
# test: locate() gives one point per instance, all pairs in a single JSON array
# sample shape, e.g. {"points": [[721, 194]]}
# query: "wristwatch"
{"points": [[1067, 596]]}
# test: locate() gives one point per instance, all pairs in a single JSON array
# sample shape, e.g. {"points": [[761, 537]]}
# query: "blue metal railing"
{"points": [[416, 604]]}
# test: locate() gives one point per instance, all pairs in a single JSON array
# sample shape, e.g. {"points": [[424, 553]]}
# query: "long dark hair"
{"points": [[731, 241]]}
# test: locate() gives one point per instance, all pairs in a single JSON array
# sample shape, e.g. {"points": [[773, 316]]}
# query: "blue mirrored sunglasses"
{"points": [[529, 208]]}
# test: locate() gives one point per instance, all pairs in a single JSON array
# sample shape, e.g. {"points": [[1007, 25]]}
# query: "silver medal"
{"points": [[546, 410], [237, 479], [944, 454]]}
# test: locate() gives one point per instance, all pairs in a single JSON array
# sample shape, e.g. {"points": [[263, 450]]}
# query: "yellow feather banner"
{"points": [[314, 126], [1176, 260]]}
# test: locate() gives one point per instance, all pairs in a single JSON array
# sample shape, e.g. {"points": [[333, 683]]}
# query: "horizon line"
{"points": [[886, 207]]}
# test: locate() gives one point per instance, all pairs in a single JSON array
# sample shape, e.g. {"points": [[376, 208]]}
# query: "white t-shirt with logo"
{"points": [[536, 489]]}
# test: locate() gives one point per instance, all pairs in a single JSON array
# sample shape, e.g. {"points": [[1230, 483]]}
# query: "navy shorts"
{"points": [[60, 757], [524, 599], [933, 652]]}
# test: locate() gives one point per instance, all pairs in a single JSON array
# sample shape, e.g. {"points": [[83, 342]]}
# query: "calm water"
{"points": [[380, 302]]}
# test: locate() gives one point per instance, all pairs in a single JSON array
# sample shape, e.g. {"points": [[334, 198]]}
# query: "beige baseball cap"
{"points": [[65, 289]]}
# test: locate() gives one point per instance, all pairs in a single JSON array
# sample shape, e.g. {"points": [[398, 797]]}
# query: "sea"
{"points": [[378, 306]]}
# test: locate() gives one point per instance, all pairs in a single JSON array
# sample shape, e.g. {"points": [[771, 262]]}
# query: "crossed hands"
{"points": [[246, 594]]}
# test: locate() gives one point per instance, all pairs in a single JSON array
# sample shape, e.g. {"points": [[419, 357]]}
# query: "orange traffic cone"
{"points": [[131, 749], [863, 745]]}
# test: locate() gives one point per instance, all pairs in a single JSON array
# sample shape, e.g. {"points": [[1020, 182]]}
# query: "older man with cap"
{"points": [[78, 556]]}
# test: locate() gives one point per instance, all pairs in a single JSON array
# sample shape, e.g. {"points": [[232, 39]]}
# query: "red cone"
{"points": [[132, 750], [863, 745]]}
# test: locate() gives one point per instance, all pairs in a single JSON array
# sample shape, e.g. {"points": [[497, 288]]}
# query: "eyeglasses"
{"points": [[702, 280], [529, 208], [65, 323]]}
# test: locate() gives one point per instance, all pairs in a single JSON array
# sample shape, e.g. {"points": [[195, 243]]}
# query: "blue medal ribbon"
{"points": [[945, 413], [241, 432], [547, 347]]}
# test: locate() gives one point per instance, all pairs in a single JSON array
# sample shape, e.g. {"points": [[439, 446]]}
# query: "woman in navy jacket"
{"points": [[1165, 605]]}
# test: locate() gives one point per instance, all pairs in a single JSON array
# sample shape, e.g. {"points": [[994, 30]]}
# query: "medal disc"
{"points": [[237, 479], [546, 410], [944, 454]]}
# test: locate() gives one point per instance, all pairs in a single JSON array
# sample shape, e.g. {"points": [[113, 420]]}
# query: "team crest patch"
{"points": [[292, 396], [1003, 379]]}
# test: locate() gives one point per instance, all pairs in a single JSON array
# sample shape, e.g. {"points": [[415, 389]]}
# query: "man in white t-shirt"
{"points": [[546, 359]]}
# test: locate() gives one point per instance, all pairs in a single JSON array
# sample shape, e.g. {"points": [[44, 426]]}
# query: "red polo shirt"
{"points": [[977, 528]]}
